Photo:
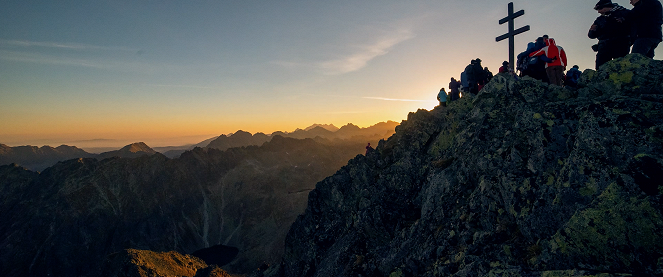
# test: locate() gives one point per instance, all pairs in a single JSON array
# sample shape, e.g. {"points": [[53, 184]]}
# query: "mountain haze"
{"points": [[39, 158]]}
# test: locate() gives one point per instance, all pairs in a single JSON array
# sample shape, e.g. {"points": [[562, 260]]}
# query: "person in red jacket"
{"points": [[555, 69]]}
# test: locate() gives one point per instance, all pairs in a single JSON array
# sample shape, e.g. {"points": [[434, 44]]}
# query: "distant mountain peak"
{"points": [[138, 147], [328, 127]]}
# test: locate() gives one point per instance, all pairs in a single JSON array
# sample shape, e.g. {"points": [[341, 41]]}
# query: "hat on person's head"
{"points": [[505, 63], [478, 60], [603, 4], [575, 66]]}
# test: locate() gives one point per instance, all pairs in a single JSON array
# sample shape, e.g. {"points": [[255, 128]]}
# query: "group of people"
{"points": [[472, 80], [543, 60], [618, 29], [474, 77]]}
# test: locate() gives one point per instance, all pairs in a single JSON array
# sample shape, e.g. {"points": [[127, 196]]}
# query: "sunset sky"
{"points": [[175, 72]]}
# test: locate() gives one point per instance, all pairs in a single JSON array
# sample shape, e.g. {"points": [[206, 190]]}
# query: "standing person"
{"points": [[479, 75], [454, 88], [472, 85], [442, 97], [647, 18], [554, 69], [612, 30]]}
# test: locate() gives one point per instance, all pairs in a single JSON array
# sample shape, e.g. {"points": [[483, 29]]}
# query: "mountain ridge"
{"points": [[40, 158]]}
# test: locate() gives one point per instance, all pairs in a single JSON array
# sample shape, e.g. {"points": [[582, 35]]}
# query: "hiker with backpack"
{"points": [[612, 30]]}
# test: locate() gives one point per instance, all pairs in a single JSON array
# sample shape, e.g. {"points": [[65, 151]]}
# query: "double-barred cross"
{"points": [[511, 34]]}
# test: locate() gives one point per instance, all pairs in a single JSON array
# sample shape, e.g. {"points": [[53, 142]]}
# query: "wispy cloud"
{"points": [[64, 46], [355, 56], [395, 99], [94, 62], [360, 58]]}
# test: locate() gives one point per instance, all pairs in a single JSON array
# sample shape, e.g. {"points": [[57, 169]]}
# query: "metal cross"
{"points": [[511, 34]]}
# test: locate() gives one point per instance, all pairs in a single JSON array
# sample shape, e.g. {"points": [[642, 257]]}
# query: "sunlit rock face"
{"points": [[525, 179], [145, 263], [65, 220]]}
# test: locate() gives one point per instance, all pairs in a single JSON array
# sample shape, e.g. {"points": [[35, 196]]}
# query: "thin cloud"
{"points": [[65, 46], [360, 58], [395, 99], [98, 63]]}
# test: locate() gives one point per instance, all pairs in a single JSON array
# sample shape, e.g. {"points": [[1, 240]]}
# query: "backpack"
{"points": [[573, 76], [522, 64]]}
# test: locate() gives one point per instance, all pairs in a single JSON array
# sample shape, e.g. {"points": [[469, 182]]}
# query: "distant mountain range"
{"points": [[328, 132], [39, 158], [243, 197]]}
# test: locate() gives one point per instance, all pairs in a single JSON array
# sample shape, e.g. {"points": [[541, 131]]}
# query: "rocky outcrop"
{"points": [[525, 179], [65, 220], [145, 263]]}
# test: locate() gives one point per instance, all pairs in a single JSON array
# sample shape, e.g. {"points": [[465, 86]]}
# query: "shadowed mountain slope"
{"points": [[64, 221]]}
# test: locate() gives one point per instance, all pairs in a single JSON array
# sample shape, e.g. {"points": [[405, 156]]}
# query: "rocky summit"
{"points": [[525, 179]]}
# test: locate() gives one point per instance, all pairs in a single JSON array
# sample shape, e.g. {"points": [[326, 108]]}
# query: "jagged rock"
{"points": [[525, 179], [145, 263]]}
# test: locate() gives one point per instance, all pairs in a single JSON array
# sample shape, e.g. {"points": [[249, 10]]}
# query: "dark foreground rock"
{"points": [[525, 179]]}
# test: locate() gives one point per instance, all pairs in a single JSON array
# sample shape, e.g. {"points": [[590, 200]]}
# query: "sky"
{"points": [[112, 72]]}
